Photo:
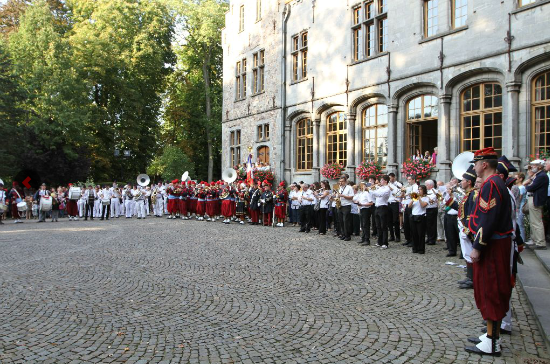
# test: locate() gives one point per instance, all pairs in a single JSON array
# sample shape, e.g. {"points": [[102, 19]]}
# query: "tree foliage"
{"points": [[171, 164]]}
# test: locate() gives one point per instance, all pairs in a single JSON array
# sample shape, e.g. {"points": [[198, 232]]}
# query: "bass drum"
{"points": [[46, 203], [22, 206], [74, 193]]}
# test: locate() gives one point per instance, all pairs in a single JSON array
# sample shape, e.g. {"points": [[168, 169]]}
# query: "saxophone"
{"points": [[337, 201]]}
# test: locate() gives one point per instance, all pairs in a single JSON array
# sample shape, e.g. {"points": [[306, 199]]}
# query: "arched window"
{"points": [[263, 155], [337, 136], [375, 134], [481, 116], [422, 114], [541, 112], [304, 145]]}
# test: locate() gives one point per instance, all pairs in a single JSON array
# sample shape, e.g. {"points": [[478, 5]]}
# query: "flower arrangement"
{"points": [[418, 167], [263, 174], [332, 170], [368, 168], [543, 154]]}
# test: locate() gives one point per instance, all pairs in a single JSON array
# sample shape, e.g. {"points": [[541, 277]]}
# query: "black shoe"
{"points": [[406, 243], [398, 240], [415, 251], [342, 237], [409, 245], [301, 231], [430, 243], [101, 219], [391, 238], [86, 219], [367, 243], [451, 255], [502, 331], [467, 285], [539, 247], [466, 280], [421, 252], [475, 350], [307, 231], [347, 239]]}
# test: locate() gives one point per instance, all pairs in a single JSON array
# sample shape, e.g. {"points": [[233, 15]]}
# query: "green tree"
{"points": [[171, 164]]}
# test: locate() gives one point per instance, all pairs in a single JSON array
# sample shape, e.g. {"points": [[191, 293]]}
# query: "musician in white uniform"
{"points": [[158, 208], [366, 208], [81, 203], [90, 196], [147, 192], [394, 204], [105, 195], [128, 201], [97, 203], [2, 201], [382, 195], [345, 194], [140, 197], [412, 187], [431, 214], [115, 202]]}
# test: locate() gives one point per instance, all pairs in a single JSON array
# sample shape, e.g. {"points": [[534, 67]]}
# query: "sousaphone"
{"points": [[461, 164], [185, 176], [143, 180], [229, 175]]}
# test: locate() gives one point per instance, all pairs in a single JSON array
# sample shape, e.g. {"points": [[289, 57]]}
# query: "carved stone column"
{"points": [[444, 157], [317, 147], [510, 124], [393, 165], [350, 168]]}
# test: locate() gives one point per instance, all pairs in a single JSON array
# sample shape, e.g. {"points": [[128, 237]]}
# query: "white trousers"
{"points": [[130, 204], [115, 207], [97, 208], [165, 211], [440, 225], [158, 209], [146, 204], [140, 208], [465, 245], [81, 204]]}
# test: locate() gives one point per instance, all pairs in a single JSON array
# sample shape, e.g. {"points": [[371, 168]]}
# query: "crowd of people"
{"points": [[481, 216]]}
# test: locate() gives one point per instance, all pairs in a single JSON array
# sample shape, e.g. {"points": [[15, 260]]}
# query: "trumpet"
{"points": [[414, 196]]}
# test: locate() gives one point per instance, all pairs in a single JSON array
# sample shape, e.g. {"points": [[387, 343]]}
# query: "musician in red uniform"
{"points": [[281, 197], [72, 207], [3, 198], [192, 199], [201, 201], [211, 195], [491, 224], [173, 199], [183, 200]]}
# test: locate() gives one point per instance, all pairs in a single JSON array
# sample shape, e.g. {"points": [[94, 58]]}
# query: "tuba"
{"points": [[143, 180], [229, 175], [337, 200], [461, 164]]}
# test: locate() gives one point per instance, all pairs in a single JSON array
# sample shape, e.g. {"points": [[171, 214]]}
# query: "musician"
{"points": [[306, 199], [324, 196], [440, 187], [418, 204], [55, 205], [201, 202], [345, 194], [72, 207], [105, 196], [266, 201], [98, 204], [128, 201], [373, 183], [537, 193], [183, 200], [394, 203], [80, 203], [281, 198], [90, 196], [240, 202], [3, 201], [158, 205], [365, 202], [140, 199], [255, 193], [15, 197], [211, 196], [431, 213], [450, 218], [115, 202], [42, 192], [382, 195], [412, 187], [491, 222], [173, 199]]}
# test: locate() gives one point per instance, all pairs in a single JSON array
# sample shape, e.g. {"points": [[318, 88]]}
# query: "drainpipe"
{"points": [[286, 14]]}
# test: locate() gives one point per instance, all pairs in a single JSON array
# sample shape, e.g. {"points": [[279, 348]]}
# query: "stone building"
{"points": [[310, 82]]}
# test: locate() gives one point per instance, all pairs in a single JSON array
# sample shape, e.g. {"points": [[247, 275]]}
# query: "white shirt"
{"points": [[395, 189], [294, 204], [381, 195], [324, 200], [105, 194], [307, 194], [347, 190], [114, 192], [417, 209], [432, 204], [2, 196], [89, 193], [363, 198]]}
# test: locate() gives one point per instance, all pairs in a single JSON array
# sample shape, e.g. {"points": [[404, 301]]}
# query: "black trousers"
{"points": [[306, 213], [89, 207], [103, 208], [373, 222], [356, 220], [345, 221], [382, 224], [366, 216], [418, 231], [322, 223], [407, 224], [451, 232], [393, 223], [336, 220], [314, 218], [431, 225]]}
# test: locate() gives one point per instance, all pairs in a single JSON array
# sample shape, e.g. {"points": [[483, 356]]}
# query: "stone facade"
{"points": [[444, 65]]}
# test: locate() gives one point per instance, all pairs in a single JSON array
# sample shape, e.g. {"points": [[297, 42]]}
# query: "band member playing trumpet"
{"points": [[382, 195], [306, 199], [411, 187], [345, 195], [394, 203], [417, 204]]}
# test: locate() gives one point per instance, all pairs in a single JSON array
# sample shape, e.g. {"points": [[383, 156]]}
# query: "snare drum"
{"points": [[106, 201], [46, 203], [22, 206]]}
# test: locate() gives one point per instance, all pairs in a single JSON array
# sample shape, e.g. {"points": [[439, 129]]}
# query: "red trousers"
{"points": [[268, 219], [254, 215]]}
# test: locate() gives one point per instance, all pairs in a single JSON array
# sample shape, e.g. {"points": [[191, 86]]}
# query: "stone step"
{"points": [[544, 257], [534, 278]]}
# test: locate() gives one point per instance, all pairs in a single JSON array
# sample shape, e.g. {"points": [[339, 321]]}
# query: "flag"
{"points": [[249, 172]]}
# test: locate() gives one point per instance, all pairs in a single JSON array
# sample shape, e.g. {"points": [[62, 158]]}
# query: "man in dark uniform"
{"points": [[491, 222], [266, 200]]}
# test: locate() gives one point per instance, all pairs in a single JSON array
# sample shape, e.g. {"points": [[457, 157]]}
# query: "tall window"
{"points": [[258, 10], [337, 136], [422, 116], [263, 132], [304, 144], [430, 17], [299, 56], [370, 28], [541, 112], [258, 64], [481, 115], [459, 13], [241, 18], [235, 147], [240, 80], [375, 134], [263, 155]]}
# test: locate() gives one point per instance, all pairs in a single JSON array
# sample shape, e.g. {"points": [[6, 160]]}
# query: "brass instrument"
{"points": [[154, 196], [414, 196], [337, 200], [224, 194]]}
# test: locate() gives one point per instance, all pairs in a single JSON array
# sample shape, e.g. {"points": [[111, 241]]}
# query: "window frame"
{"points": [[337, 132], [376, 127], [235, 147], [521, 3], [481, 112], [453, 14], [304, 157], [413, 123], [299, 47], [241, 18], [427, 18], [258, 72], [369, 30], [258, 10], [536, 104], [262, 132]]}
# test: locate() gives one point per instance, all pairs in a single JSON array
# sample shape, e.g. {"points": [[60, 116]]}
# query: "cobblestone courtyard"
{"points": [[158, 290]]}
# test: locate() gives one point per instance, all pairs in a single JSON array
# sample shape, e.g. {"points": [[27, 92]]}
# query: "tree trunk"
{"points": [[206, 77]]}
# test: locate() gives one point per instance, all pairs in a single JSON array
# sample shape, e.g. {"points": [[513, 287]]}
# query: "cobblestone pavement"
{"points": [[157, 290]]}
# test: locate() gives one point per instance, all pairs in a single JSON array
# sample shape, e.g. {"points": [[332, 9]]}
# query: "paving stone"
{"points": [[163, 291]]}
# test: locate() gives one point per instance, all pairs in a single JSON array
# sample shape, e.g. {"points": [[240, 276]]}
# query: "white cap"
{"points": [[537, 161]]}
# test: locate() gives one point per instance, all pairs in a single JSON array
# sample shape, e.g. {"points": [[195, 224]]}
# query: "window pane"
{"points": [[382, 35]]}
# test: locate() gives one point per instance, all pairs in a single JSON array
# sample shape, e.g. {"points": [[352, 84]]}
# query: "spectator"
{"points": [[537, 193]]}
